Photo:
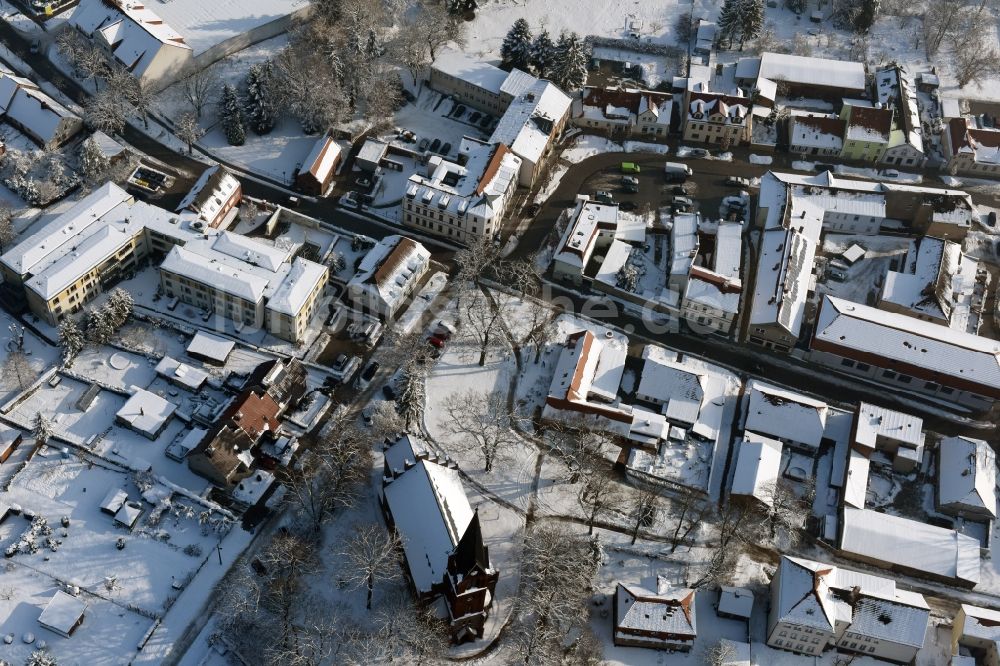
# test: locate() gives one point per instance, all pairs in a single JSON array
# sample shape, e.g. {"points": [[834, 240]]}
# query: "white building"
{"points": [[387, 275], [815, 606], [63, 613], [977, 630], [816, 135], [530, 126], [593, 229], [463, 202], [910, 547], [804, 76], [967, 473], [625, 112], [146, 413], [896, 434]]}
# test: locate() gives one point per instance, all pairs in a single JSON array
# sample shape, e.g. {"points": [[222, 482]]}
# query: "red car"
{"points": [[435, 341]]}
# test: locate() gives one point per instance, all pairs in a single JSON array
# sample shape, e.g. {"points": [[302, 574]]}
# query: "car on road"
{"points": [[738, 181], [675, 171], [364, 380], [630, 167], [603, 196], [630, 184], [445, 149], [700, 153], [890, 173]]}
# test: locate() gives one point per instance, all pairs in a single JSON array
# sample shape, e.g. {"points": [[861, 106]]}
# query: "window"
{"points": [[903, 379], [847, 363], [863, 367], [947, 390], [889, 374], [931, 386]]}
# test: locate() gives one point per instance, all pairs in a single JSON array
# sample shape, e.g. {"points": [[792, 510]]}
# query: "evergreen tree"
{"points": [[868, 12], [94, 164], [71, 340], [543, 53], [260, 103], [119, 307], [231, 116], [41, 429], [751, 20], [569, 71], [729, 23], [99, 327], [516, 48]]}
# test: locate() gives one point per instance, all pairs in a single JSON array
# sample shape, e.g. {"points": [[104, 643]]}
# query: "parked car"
{"points": [[700, 153], [446, 148], [474, 117], [682, 204], [435, 144], [389, 391], [630, 184], [738, 181], [678, 190], [675, 171], [364, 380], [890, 173], [422, 146], [603, 196], [630, 167]]}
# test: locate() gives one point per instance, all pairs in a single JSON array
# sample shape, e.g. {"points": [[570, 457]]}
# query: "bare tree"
{"points": [[106, 111], [364, 647], [484, 314], [188, 130], [973, 55], [483, 421], [199, 89], [284, 566], [436, 26], [411, 394], [330, 476], [373, 554], [601, 493], [646, 506], [387, 422], [721, 653], [139, 93], [784, 509], [557, 576], [941, 19], [690, 510], [419, 635], [17, 370]]}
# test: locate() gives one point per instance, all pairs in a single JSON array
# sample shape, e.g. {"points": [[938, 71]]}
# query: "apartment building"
{"points": [[895, 89], [387, 275], [969, 149], [247, 281], [478, 84], [463, 201], [624, 112], [530, 126], [716, 118]]}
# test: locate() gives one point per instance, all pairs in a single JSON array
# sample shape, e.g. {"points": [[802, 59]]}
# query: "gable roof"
{"points": [[785, 414], [967, 474]]}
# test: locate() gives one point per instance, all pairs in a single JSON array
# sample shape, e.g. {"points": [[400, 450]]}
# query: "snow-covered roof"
{"points": [[915, 545], [806, 70], [251, 489], [372, 151], [113, 500], [785, 414], [942, 354], [869, 124], [62, 612], [856, 479], [226, 276], [471, 70], [527, 124], [294, 290], [667, 381], [405, 452], [981, 623], [145, 412], [108, 146], [875, 422], [642, 610], [757, 468], [967, 475], [34, 111], [128, 513], [90, 252], [577, 243], [23, 258], [322, 158], [181, 373], [894, 86], [390, 269], [587, 366], [817, 132], [736, 601], [431, 512], [251, 251], [206, 345]]}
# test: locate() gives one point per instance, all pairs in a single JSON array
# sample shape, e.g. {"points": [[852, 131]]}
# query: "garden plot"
{"points": [[114, 367], [108, 628], [145, 574]]}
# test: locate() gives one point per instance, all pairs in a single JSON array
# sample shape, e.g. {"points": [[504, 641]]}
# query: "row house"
{"points": [[716, 118], [624, 113]]}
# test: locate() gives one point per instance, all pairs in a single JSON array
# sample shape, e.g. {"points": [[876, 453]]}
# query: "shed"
{"points": [[10, 439], [113, 501], [63, 614], [128, 514], [210, 348], [370, 155], [253, 488], [146, 413], [928, 81], [735, 602], [88, 397], [181, 374], [853, 254]]}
